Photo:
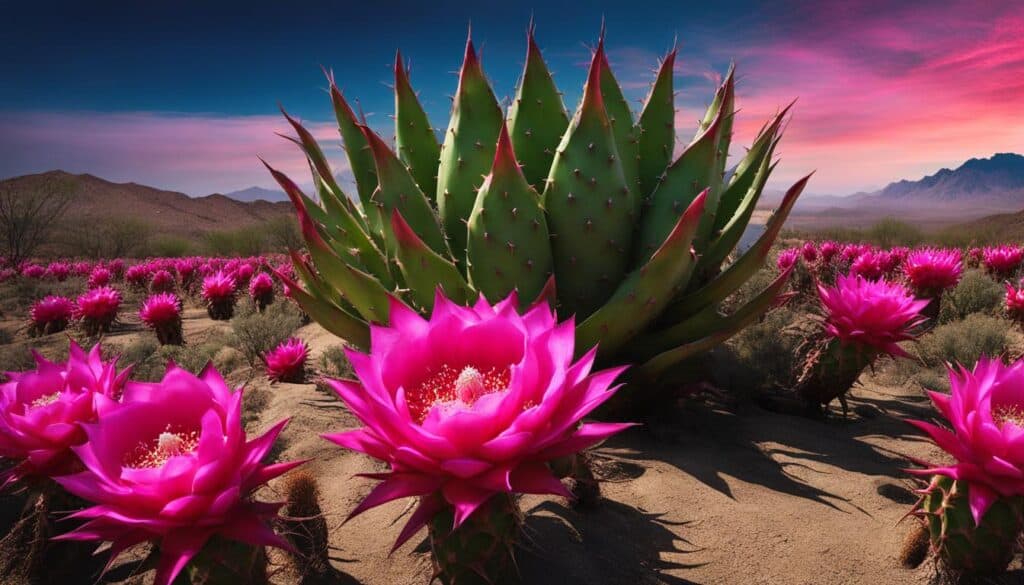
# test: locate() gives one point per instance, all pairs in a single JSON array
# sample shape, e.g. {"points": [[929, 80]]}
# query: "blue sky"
{"points": [[184, 95]]}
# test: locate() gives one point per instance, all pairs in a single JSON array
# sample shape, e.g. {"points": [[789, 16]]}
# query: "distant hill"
{"points": [[998, 178], [978, 188], [168, 212], [257, 194]]}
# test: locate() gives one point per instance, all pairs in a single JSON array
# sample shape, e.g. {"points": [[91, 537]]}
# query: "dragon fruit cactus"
{"points": [[864, 319], [287, 361], [638, 241], [51, 314], [99, 276], [1002, 261], [219, 291], [162, 281], [96, 309], [162, 313], [261, 290], [930, 272], [974, 508], [465, 426]]}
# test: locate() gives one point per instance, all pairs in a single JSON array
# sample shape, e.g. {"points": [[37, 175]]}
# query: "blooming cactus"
{"points": [[931, 271], [466, 407], [41, 411], [864, 319], [219, 292], [172, 465], [1002, 261], [1015, 303], [97, 309], [261, 290], [986, 412], [51, 314], [162, 313], [99, 276], [162, 281], [287, 361]]}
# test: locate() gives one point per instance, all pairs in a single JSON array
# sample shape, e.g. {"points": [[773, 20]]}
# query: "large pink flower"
{"points": [[41, 410], [873, 314], [470, 403], [1002, 261], [986, 411], [287, 361], [930, 271], [172, 464]]}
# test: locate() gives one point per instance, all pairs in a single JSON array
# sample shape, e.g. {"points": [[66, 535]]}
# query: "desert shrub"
{"points": [[254, 402], [112, 238], [964, 341], [246, 241], [334, 363], [976, 293], [189, 357], [169, 247], [15, 358], [762, 356], [283, 234], [256, 333]]}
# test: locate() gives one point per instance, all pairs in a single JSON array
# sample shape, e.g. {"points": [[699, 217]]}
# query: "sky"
{"points": [[184, 95]]}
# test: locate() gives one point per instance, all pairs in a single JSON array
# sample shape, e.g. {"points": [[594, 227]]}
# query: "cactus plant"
{"points": [[592, 214]]}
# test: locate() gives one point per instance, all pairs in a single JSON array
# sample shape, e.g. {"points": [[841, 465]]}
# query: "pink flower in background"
{"points": [[809, 252], [41, 409], [930, 271], [1002, 261], [868, 265], [97, 309], [875, 315], [82, 268], [1015, 303], [58, 271], [161, 310], [51, 314], [470, 403], [828, 251], [100, 276], [161, 281], [137, 276], [33, 271], [219, 286], [287, 361], [986, 411], [787, 259], [172, 465]]}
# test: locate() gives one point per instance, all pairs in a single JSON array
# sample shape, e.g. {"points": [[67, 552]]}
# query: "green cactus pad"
{"points": [[467, 152], [621, 119], [415, 140], [642, 296], [398, 190], [508, 247], [424, 270], [331, 317], [590, 209], [656, 129], [360, 159], [536, 117]]}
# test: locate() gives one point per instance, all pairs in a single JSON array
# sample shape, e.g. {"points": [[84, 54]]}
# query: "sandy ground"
{"points": [[706, 496]]}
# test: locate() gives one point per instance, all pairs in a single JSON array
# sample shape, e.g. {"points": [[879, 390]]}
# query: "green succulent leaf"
{"points": [[424, 270], [415, 140], [656, 129]]}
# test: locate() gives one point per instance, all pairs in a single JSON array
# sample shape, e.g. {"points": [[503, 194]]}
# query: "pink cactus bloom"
{"points": [[116, 267], [261, 285], [51, 312], [1015, 303], [287, 361], [58, 271], [1002, 261], [160, 309], [82, 268], [100, 276], [99, 305], [137, 275], [828, 251], [809, 252], [161, 281], [473, 402], [171, 464], [218, 287], [244, 272], [33, 271], [986, 412], [41, 411], [931, 271], [787, 259], [875, 315], [868, 266]]}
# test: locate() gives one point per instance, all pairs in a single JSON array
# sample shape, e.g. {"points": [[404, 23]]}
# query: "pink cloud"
{"points": [[197, 154]]}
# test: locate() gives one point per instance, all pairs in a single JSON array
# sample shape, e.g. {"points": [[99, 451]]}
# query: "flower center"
{"points": [[157, 451], [458, 388], [1011, 413], [45, 400]]}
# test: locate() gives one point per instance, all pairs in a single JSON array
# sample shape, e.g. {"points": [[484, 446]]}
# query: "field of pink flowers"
{"points": [[129, 427]]}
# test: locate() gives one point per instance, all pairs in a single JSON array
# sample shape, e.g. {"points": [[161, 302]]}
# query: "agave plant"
{"points": [[640, 243]]}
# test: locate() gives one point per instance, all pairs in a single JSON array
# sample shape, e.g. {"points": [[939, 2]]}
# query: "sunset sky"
{"points": [[184, 95]]}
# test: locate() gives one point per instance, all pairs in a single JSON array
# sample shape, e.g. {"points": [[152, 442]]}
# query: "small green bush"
{"points": [[169, 247], [976, 293], [334, 363], [959, 342], [246, 241], [256, 333]]}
